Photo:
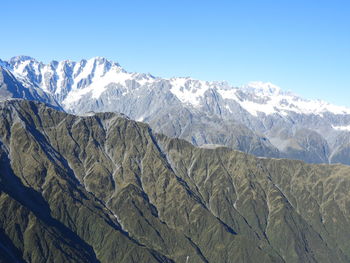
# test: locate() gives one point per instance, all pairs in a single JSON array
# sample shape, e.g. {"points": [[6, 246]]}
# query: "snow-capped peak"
{"points": [[103, 60], [269, 99], [188, 90], [21, 58], [264, 88], [69, 81], [255, 97]]}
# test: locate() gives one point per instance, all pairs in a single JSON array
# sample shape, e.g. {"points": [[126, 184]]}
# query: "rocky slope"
{"points": [[12, 88], [258, 118], [105, 188]]}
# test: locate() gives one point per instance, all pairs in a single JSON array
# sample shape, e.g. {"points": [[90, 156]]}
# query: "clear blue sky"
{"points": [[300, 45]]}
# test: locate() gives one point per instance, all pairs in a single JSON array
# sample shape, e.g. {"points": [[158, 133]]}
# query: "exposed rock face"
{"points": [[259, 118], [105, 188], [13, 88]]}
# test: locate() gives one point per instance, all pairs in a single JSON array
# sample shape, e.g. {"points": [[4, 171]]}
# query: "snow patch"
{"points": [[60, 77], [189, 91], [253, 108], [341, 128], [228, 93], [265, 88], [98, 80], [99, 83], [20, 68]]}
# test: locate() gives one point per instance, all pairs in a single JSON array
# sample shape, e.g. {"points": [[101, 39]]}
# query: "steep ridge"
{"points": [[115, 191], [100, 85], [11, 87], [258, 118], [46, 213]]}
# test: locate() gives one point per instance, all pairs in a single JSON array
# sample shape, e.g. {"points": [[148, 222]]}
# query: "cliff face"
{"points": [[258, 118], [106, 188]]}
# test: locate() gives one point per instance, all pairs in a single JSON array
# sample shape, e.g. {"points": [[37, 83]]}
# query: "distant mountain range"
{"points": [[104, 188], [258, 118]]}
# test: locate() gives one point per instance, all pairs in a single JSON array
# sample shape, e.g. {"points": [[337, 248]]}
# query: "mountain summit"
{"points": [[258, 118]]}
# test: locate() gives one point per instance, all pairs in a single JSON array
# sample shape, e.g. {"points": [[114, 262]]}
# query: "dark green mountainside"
{"points": [[104, 188]]}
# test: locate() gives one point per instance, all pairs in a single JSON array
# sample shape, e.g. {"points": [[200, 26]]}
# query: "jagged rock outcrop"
{"points": [[258, 118]]}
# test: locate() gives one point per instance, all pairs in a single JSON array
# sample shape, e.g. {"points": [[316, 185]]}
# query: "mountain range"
{"points": [[258, 118], [105, 188]]}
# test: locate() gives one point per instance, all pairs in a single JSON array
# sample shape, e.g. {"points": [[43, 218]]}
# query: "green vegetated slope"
{"points": [[104, 188]]}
